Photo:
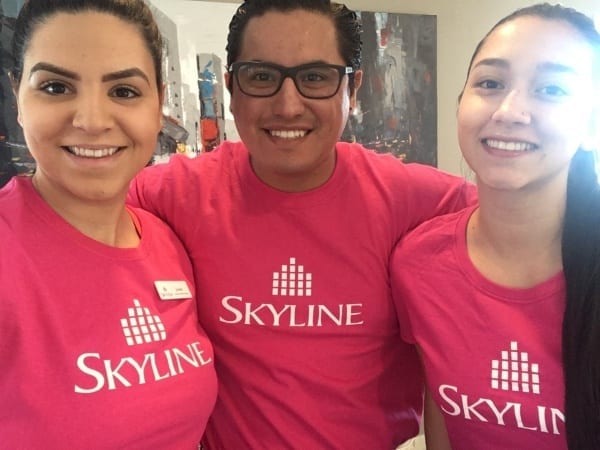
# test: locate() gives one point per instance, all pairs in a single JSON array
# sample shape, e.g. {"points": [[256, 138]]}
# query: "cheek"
{"points": [[473, 115], [147, 141], [239, 106], [334, 112], [568, 127], [158, 124], [39, 117], [346, 100], [233, 104], [38, 127], [143, 123], [467, 123], [342, 110], [560, 118], [249, 114], [470, 122], [472, 109]]}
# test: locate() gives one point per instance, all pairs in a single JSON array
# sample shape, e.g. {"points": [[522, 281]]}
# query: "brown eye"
{"points": [[489, 84], [124, 92], [55, 88]]}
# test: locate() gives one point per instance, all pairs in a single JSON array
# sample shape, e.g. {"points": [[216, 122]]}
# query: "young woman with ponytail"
{"points": [[485, 293]]}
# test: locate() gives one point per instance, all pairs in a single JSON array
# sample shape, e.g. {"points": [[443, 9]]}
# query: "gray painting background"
{"points": [[398, 99]]}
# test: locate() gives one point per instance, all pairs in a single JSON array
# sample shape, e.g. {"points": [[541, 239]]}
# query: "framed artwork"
{"points": [[14, 157], [397, 103]]}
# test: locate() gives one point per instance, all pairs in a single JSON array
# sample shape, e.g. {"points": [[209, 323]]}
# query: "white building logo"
{"points": [[141, 326], [292, 281], [511, 376], [514, 372], [291, 307], [140, 366]]}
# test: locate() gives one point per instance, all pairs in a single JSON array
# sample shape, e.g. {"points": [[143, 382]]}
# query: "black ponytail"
{"points": [[581, 322]]}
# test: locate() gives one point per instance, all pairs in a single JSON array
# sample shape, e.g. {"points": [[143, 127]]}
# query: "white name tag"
{"points": [[173, 290]]}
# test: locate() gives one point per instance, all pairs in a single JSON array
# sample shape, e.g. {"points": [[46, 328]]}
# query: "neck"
{"points": [[514, 238], [296, 176], [105, 220], [520, 219]]}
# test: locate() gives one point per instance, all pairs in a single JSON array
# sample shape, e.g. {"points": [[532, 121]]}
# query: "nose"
{"points": [[514, 108], [288, 102], [92, 113]]}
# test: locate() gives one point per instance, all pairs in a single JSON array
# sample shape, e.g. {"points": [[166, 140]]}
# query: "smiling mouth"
{"points": [[92, 152], [288, 134], [509, 146]]}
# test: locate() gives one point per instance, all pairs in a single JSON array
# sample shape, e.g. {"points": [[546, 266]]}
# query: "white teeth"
{"points": [[288, 134], [509, 146], [93, 153]]}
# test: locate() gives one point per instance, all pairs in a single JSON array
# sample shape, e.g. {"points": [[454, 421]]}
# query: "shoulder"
{"points": [[204, 162], [153, 224], [14, 198], [159, 236], [16, 220], [360, 157], [387, 165], [432, 237], [182, 179], [15, 186]]}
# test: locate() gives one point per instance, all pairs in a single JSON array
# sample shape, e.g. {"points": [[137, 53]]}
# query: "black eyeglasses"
{"points": [[315, 80]]}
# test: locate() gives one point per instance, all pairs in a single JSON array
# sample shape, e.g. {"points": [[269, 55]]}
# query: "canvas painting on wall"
{"points": [[397, 111], [14, 157]]}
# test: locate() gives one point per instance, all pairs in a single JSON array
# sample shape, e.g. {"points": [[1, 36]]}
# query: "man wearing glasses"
{"points": [[290, 232]]}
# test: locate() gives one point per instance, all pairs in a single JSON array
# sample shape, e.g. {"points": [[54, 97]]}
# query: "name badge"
{"points": [[173, 290]]}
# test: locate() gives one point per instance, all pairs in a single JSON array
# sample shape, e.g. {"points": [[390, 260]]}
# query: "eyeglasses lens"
{"points": [[263, 80]]}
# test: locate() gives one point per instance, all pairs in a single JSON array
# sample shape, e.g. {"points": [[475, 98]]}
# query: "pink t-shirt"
{"points": [[492, 354], [100, 347], [293, 289]]}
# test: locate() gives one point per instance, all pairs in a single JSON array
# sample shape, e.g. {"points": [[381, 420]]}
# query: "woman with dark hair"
{"points": [[100, 345], [484, 293]]}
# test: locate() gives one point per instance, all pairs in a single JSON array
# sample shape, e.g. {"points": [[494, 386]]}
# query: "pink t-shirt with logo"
{"points": [[492, 354], [100, 347], [294, 291]]}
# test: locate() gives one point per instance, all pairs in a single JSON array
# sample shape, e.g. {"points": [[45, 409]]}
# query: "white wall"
{"points": [[460, 25]]}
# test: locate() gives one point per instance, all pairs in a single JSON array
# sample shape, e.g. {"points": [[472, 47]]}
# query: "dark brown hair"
{"points": [[36, 12]]}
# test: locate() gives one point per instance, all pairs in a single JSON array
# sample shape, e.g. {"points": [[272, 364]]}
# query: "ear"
{"points": [[14, 84], [228, 81], [357, 84], [228, 85]]}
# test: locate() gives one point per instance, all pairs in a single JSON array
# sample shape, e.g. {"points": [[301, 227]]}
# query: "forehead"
{"points": [[86, 40], [536, 42], [291, 38]]}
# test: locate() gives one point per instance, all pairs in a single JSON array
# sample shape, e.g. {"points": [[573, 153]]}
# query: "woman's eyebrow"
{"points": [[54, 69], [125, 73]]}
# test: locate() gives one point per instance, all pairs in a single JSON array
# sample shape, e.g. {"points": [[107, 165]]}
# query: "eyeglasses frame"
{"points": [[290, 72]]}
